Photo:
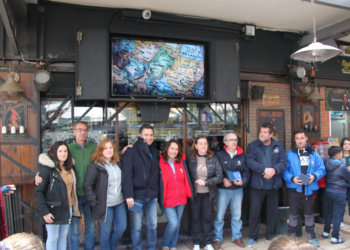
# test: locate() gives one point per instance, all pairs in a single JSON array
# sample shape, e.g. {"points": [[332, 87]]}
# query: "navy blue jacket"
{"points": [[237, 163], [337, 176], [139, 172], [255, 159]]}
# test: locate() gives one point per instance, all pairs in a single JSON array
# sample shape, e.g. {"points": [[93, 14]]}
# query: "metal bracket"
{"points": [[190, 113], [9, 21], [79, 37], [240, 119], [117, 112], [79, 90]]}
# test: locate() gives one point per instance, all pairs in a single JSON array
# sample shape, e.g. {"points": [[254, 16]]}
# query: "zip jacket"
{"points": [[51, 194], [176, 187], [316, 168], [255, 159], [237, 163], [140, 172], [337, 176]]}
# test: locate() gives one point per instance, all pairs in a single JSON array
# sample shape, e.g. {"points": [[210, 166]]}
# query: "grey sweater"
{"points": [[114, 193]]}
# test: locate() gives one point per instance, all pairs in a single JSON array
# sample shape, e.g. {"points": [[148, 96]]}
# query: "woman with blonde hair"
{"points": [[22, 241], [103, 191], [289, 243], [205, 173]]}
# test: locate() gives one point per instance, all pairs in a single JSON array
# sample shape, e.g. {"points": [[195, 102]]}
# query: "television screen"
{"points": [[157, 68]]}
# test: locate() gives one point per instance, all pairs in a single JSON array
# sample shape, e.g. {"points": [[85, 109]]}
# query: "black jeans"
{"points": [[295, 201], [202, 208], [257, 197]]}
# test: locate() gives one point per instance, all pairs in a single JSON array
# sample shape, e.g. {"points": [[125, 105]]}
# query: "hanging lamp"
{"points": [[316, 53]]}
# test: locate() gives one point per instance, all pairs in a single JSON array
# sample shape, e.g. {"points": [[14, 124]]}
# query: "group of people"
{"points": [[97, 181]]}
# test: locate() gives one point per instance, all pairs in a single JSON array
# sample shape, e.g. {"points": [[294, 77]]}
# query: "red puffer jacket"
{"points": [[3, 232], [176, 186]]}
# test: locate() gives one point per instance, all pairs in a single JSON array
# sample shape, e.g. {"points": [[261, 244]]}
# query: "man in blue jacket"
{"points": [[232, 159], [267, 160], [140, 169], [303, 160]]}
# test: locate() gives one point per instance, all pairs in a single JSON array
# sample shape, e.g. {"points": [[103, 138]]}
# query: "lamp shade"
{"points": [[315, 95], [42, 80], [316, 52], [10, 86]]}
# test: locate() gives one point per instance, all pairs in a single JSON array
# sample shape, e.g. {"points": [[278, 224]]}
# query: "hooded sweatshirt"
{"points": [[337, 176]]}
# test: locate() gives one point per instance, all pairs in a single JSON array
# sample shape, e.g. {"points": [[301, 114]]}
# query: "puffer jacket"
{"points": [[337, 176], [215, 175], [316, 168], [51, 194], [96, 188]]}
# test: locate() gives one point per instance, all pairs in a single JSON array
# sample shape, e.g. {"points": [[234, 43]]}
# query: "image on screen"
{"points": [[154, 68]]}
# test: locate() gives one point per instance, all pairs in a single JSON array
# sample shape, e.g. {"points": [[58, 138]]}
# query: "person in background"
{"points": [[140, 173], [337, 181], [22, 241], [232, 159], [289, 243], [103, 191], [267, 160], [81, 152], [206, 174], [56, 195], [7, 189], [345, 145], [303, 159], [175, 188]]}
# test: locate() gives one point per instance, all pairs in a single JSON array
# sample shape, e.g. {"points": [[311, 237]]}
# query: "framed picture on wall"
{"points": [[307, 117], [276, 118]]}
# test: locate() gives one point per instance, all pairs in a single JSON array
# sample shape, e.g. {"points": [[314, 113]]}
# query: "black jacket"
{"points": [[237, 163], [139, 172], [51, 194], [96, 187], [337, 175], [214, 178], [255, 159]]}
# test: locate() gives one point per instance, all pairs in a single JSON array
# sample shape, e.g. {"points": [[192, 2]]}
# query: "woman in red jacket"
{"points": [[175, 189]]}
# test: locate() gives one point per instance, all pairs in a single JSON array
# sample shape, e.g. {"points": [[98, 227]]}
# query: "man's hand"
{"points": [[130, 202], [38, 179], [312, 178], [125, 148], [297, 181], [200, 183], [227, 183], [269, 173], [49, 218], [238, 183]]}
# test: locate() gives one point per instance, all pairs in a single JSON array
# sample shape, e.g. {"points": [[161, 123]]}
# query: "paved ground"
{"points": [[185, 242]]}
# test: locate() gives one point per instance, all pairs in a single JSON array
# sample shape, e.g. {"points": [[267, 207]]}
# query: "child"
{"points": [[337, 178]]}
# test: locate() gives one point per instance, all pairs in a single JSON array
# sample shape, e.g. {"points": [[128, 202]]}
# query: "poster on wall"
{"points": [[14, 113], [345, 65], [337, 99], [276, 118]]}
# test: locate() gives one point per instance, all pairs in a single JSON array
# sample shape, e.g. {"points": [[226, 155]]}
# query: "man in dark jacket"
{"points": [[140, 169], [303, 161], [267, 160], [232, 159], [337, 181]]}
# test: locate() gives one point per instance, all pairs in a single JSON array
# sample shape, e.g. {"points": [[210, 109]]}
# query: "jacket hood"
{"points": [[44, 159], [332, 165], [308, 148], [238, 148]]}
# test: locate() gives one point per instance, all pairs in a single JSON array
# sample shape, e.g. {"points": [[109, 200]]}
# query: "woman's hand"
{"points": [[48, 218], [200, 183]]}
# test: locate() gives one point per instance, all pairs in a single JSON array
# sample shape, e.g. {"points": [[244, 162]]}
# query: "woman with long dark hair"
{"points": [[175, 188], [103, 191], [345, 146], [56, 195], [206, 173]]}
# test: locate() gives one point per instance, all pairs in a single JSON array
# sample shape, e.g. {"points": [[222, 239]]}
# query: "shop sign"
{"points": [[337, 99], [345, 65], [276, 118], [271, 100]]}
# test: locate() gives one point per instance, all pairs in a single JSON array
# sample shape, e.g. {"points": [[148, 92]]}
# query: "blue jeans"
{"points": [[116, 216], [149, 210], [171, 234], [335, 212], [57, 235], [234, 197], [90, 227]]}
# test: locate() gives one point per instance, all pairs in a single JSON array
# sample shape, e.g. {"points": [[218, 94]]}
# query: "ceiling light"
{"points": [[316, 53]]}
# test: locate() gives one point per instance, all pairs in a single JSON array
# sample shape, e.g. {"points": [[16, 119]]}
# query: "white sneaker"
{"points": [[196, 247], [341, 224], [208, 247]]}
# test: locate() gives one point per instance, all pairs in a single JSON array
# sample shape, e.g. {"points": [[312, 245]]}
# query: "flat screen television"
{"points": [[150, 68]]}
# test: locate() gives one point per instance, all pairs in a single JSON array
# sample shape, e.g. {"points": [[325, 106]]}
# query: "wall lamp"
{"points": [[11, 86], [42, 80], [249, 32]]}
